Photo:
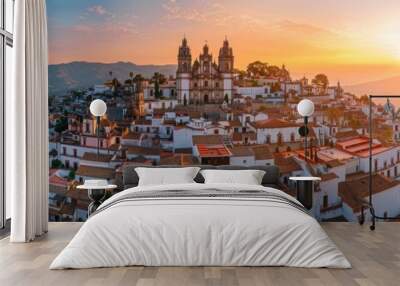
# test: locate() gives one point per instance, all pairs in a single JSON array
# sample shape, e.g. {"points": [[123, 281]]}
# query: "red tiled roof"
{"points": [[213, 151], [274, 123], [207, 139], [262, 152], [239, 151], [237, 136], [97, 157], [328, 176], [132, 136], [354, 191]]}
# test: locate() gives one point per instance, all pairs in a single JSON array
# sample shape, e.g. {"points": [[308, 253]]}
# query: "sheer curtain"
{"points": [[26, 121]]}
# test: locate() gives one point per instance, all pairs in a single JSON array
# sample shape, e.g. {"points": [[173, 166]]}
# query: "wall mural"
{"points": [[213, 82]]}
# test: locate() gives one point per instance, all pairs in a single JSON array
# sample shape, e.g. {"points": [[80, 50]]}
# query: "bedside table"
{"points": [[96, 192], [305, 190]]}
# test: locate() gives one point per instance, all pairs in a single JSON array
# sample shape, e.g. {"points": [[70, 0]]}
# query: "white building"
{"points": [[275, 131]]}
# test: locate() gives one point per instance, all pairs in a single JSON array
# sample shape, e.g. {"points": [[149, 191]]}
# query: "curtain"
{"points": [[27, 124]]}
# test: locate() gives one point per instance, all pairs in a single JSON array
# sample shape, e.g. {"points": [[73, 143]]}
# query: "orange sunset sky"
{"points": [[352, 41]]}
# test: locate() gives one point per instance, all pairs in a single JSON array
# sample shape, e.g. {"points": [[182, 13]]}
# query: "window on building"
{"points": [[67, 164], [75, 165], [376, 165], [279, 139], [325, 201], [268, 139], [64, 150], [206, 83], [292, 137], [388, 173], [216, 131], [75, 153], [6, 62], [217, 84], [395, 171], [385, 165]]}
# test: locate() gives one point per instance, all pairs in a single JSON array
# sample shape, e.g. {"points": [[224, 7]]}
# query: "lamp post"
{"points": [[98, 108], [305, 108]]}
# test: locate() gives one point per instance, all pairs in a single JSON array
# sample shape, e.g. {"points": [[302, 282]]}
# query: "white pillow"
{"points": [[248, 177], [166, 176]]}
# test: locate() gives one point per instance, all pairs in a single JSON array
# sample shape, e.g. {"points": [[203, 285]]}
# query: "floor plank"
{"points": [[375, 257]]}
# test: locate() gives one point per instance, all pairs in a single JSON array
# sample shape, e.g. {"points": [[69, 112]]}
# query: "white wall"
{"points": [[242, 160]]}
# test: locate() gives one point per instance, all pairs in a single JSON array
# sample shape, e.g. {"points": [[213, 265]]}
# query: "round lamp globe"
{"points": [[98, 107], [305, 108]]}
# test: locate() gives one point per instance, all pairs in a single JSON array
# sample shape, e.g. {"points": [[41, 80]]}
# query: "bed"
{"points": [[197, 224]]}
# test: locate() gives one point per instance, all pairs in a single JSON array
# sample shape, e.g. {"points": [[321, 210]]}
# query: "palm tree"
{"points": [[131, 76]]}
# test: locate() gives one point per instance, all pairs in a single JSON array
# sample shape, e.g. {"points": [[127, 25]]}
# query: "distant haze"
{"points": [[351, 41], [389, 86], [63, 77]]}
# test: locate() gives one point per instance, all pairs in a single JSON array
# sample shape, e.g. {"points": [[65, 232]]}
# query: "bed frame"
{"points": [[130, 178]]}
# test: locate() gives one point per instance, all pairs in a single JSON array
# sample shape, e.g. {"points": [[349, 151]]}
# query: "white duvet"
{"points": [[202, 232]]}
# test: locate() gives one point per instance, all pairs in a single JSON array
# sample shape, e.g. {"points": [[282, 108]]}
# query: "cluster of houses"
{"points": [[257, 127]]}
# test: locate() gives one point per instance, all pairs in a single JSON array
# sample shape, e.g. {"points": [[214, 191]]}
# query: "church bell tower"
{"points": [[183, 74], [225, 66]]}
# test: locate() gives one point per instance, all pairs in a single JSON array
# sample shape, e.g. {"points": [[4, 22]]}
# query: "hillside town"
{"points": [[214, 114]]}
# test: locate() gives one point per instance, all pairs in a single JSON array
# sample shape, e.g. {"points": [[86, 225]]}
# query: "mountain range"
{"points": [[75, 75], [388, 86]]}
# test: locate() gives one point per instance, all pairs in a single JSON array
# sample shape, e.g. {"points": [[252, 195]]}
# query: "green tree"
{"points": [[71, 175], [274, 71], [226, 98], [275, 87], [56, 164], [61, 125], [321, 80], [53, 153], [157, 90], [364, 99], [257, 68]]}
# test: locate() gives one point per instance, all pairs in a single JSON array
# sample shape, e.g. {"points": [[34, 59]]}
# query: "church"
{"points": [[204, 81]]}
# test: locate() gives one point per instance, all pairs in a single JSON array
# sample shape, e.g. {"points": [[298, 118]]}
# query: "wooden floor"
{"points": [[375, 257]]}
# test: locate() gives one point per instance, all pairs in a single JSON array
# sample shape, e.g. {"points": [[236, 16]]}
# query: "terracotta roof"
{"points": [[96, 172], [78, 194], [274, 123], [179, 159], [143, 150], [235, 123], [96, 158], [132, 135], [237, 136], [334, 163], [354, 191], [346, 134], [207, 139], [207, 151], [286, 164], [240, 151], [328, 176], [142, 122], [262, 152]]}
